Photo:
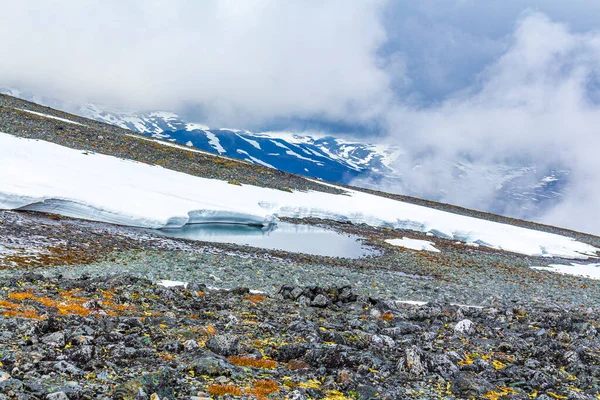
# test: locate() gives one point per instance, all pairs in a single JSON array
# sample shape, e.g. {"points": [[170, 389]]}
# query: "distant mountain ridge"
{"points": [[522, 191]]}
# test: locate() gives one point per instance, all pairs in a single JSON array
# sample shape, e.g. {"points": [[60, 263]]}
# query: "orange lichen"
{"points": [[8, 304], [210, 330], [222, 390], [21, 296], [52, 256], [32, 314], [69, 304], [252, 362], [263, 388], [386, 317], [255, 298]]}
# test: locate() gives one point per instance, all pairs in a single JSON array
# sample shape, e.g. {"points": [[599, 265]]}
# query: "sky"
{"points": [[497, 83]]}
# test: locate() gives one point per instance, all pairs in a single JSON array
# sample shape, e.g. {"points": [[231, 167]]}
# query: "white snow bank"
{"points": [[51, 117], [42, 176], [413, 244], [168, 283], [591, 271]]}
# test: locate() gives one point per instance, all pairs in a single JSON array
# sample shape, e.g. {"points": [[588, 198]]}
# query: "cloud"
{"points": [[534, 105], [236, 62], [483, 84]]}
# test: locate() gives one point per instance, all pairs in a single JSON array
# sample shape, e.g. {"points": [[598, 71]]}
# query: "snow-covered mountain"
{"points": [[515, 189]]}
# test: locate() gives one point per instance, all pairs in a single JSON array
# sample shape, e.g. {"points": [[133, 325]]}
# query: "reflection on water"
{"points": [[281, 236]]}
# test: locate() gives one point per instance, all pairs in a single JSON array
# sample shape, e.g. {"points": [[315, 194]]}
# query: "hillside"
{"points": [[97, 303], [517, 188]]}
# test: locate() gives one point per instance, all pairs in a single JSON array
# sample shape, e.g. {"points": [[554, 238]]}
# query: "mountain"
{"points": [[103, 277], [516, 188]]}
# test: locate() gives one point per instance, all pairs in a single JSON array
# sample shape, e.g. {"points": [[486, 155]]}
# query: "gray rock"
{"points": [[465, 327], [367, 392], [413, 362], [382, 341], [83, 355], [213, 366], [319, 301], [471, 385], [295, 293], [296, 395], [225, 345], [191, 345], [401, 329], [141, 394], [570, 357], [66, 368], [11, 384], [443, 365], [57, 396], [56, 339]]}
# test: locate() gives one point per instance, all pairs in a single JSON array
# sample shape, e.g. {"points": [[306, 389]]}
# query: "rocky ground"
{"points": [[125, 337], [84, 317], [82, 314]]}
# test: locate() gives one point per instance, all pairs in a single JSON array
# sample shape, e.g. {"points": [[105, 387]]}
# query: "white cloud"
{"points": [[241, 61], [245, 63], [533, 103]]}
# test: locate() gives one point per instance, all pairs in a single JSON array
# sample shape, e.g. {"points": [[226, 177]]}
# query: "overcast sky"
{"points": [[497, 80]]}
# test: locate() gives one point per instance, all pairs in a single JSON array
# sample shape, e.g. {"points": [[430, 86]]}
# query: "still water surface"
{"points": [[282, 236]]}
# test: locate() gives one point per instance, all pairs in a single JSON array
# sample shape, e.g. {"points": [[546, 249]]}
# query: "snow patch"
{"points": [[50, 116], [591, 271], [167, 283], [192, 126], [254, 159], [214, 142], [414, 244], [252, 142], [48, 177]]}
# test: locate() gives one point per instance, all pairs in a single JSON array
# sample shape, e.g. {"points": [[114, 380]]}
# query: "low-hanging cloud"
{"points": [[241, 62], [509, 89], [537, 103]]}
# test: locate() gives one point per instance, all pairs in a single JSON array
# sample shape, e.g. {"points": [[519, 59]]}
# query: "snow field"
{"points": [[43, 176]]}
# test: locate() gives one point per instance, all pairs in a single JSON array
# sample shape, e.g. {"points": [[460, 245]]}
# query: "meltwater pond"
{"points": [[281, 236]]}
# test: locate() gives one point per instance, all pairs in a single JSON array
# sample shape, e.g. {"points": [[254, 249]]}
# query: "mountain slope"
{"points": [[91, 296], [514, 188]]}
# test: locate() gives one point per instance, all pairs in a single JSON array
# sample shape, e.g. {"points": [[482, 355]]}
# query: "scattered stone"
{"points": [[319, 301], [225, 345], [57, 396], [56, 339], [465, 327]]}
